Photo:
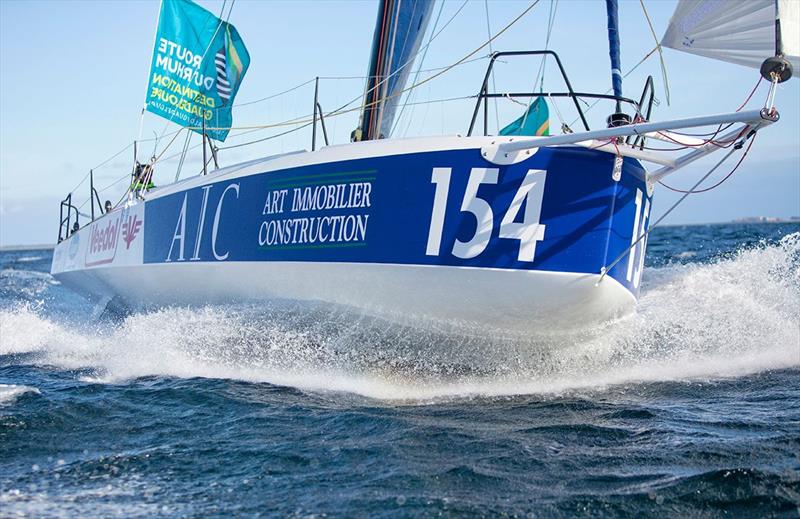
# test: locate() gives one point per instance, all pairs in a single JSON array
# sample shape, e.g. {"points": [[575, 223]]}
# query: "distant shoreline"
{"points": [[16, 248], [738, 221]]}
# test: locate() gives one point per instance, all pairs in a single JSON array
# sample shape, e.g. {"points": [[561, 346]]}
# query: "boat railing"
{"points": [[65, 222], [484, 93], [94, 196], [317, 113], [648, 92], [64, 227]]}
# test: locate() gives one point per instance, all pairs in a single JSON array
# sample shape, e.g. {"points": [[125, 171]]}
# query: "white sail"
{"points": [[736, 31]]}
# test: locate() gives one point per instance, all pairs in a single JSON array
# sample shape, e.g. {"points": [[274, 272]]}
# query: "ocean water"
{"points": [[690, 408]]}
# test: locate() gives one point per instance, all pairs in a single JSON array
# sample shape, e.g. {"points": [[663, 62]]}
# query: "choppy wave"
{"points": [[735, 316], [24, 284], [30, 259], [10, 392]]}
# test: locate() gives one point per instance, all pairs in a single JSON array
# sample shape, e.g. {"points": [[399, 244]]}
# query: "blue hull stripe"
{"points": [[381, 210]]}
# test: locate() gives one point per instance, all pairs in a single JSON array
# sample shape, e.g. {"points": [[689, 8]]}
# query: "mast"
{"points": [[618, 117], [399, 29], [613, 49]]}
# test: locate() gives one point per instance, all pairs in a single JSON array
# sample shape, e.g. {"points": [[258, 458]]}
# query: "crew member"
{"points": [[142, 178]]}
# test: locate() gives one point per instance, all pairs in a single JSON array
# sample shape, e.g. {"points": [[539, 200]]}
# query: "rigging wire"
{"points": [[491, 51], [202, 58], [341, 111], [239, 105], [117, 154], [183, 156], [605, 270], [230, 9], [711, 135], [660, 51], [416, 74], [269, 137], [694, 191], [408, 62], [306, 125], [379, 84], [655, 49], [434, 69], [628, 73], [724, 127], [551, 18], [114, 156]]}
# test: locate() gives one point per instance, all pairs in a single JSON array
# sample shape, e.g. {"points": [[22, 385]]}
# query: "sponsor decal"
{"points": [[332, 212], [179, 236], [130, 229], [103, 241]]}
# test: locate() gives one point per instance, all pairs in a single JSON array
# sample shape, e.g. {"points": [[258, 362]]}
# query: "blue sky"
{"points": [[73, 78]]}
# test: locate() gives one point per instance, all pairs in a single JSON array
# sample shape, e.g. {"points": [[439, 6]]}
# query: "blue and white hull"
{"points": [[426, 230]]}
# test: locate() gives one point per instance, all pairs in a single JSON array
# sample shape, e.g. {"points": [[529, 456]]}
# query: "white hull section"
{"points": [[505, 301]]}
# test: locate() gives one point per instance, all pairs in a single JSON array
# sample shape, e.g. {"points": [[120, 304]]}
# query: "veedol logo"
{"points": [[130, 229], [102, 245], [104, 239]]}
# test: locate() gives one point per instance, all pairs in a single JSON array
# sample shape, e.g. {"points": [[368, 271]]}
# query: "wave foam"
{"points": [[9, 393], [737, 316]]}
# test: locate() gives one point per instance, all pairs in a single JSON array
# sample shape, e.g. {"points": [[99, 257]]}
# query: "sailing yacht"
{"points": [[523, 231]]}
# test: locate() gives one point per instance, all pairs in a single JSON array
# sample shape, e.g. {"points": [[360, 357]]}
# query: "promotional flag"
{"points": [[198, 64]]}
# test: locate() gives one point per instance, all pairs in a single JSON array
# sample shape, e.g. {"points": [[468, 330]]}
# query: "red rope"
{"points": [[719, 144], [710, 140], [760, 78], [726, 177]]}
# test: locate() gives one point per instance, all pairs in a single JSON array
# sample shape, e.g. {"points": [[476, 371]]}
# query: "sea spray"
{"points": [[682, 407], [733, 316]]}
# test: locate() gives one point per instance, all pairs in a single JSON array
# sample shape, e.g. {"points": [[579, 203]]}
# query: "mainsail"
{"points": [[398, 34], [736, 31]]}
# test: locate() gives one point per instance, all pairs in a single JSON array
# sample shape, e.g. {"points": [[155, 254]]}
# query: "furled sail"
{"points": [[736, 31], [398, 34]]}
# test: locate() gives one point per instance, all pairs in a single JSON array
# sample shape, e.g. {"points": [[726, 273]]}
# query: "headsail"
{"points": [[736, 31], [398, 34]]}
